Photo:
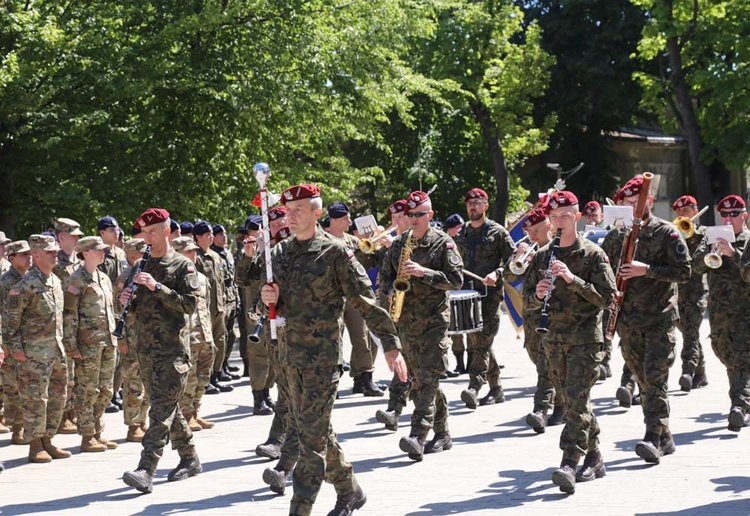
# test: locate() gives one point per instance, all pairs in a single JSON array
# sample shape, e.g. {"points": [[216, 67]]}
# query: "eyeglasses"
{"points": [[476, 203], [732, 214], [417, 214]]}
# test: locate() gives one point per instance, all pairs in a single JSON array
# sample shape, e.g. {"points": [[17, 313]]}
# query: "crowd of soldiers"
{"points": [[179, 292]]}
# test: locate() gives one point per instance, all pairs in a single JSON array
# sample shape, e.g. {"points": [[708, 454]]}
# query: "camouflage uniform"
{"points": [[648, 315], [692, 298], [315, 277], [423, 325], [485, 250], [67, 265], [11, 397], [162, 332], [231, 297], [212, 266], [88, 323], [573, 346], [728, 307], [115, 263], [202, 351], [34, 312]]}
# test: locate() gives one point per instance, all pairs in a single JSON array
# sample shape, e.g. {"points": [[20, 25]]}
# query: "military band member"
{"points": [[314, 275], [453, 225], [593, 214], [485, 246], [248, 295], [647, 319], [582, 284], [728, 305]]}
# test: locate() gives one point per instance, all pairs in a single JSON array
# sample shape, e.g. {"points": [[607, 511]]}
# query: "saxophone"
{"points": [[401, 284]]}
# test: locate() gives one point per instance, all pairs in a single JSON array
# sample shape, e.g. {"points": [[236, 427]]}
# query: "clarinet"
{"points": [[548, 275], [132, 285]]}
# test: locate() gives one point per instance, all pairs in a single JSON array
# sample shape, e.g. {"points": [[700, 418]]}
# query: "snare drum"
{"points": [[466, 312]]}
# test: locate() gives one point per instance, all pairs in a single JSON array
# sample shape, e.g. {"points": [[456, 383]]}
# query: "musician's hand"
{"points": [[386, 241], [20, 355], [543, 287], [269, 294], [491, 279], [123, 348], [125, 295], [633, 269], [145, 279], [560, 270], [397, 364], [724, 248], [414, 269], [248, 246]]}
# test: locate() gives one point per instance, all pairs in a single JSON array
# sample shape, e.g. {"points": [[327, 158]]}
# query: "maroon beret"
{"points": [[685, 200], [561, 198], [297, 192], [152, 216], [416, 199], [277, 212], [631, 188], [397, 207], [731, 202], [534, 217], [475, 193], [591, 207], [281, 234]]}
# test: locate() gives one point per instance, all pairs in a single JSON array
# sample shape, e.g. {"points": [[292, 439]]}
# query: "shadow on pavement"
{"points": [[717, 508]]}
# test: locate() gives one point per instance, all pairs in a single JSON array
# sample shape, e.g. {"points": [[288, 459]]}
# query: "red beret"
{"points": [[397, 207], [475, 193], [534, 217], [152, 216], [731, 202], [416, 199], [297, 192], [591, 207], [685, 200], [561, 198], [631, 188], [277, 212], [617, 199], [281, 234]]}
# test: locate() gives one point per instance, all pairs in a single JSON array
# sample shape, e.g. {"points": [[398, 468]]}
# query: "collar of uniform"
{"points": [[315, 244], [42, 276], [86, 274]]}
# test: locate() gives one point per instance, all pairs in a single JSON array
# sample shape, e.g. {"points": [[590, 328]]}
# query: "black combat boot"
{"points": [[592, 467], [369, 388], [686, 382], [231, 368], [216, 382], [246, 367], [271, 449], [414, 446], [268, 400], [212, 389], [469, 359], [699, 380], [348, 503], [441, 441], [460, 367], [624, 396], [142, 479], [357, 387], [259, 405], [188, 467], [737, 419], [666, 444], [495, 395], [536, 421], [649, 449], [469, 396], [565, 476], [276, 478], [558, 416], [389, 418]]}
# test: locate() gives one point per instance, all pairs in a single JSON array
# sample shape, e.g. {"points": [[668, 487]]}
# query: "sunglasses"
{"points": [[417, 214], [732, 214]]}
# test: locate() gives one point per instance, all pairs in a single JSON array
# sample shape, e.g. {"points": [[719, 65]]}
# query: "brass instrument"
{"points": [[686, 225], [370, 245], [713, 260], [518, 266], [402, 284]]}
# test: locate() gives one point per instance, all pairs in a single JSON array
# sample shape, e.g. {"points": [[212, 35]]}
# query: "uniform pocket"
{"points": [[181, 365]]}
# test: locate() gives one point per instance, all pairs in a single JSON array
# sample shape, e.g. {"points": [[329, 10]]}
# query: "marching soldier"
{"points": [[453, 225]]}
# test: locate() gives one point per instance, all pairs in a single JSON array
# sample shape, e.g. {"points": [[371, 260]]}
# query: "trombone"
{"points": [[686, 225], [370, 245]]}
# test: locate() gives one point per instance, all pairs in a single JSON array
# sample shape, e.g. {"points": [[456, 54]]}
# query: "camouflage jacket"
{"points": [[695, 289], [727, 294], [129, 327], [367, 260], [88, 316], [115, 263], [7, 280], [428, 298], [212, 266], [227, 269], [34, 313], [485, 249], [652, 298], [316, 277], [575, 309], [161, 316], [66, 265], [200, 320]]}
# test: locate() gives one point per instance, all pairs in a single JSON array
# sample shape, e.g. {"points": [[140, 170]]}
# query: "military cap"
{"points": [[591, 207], [135, 245], [398, 207], [217, 228], [19, 246], [685, 200], [43, 242], [90, 243], [325, 223], [106, 222], [436, 224], [63, 225], [186, 228], [184, 244], [453, 220], [338, 210], [534, 217], [416, 199], [281, 234], [201, 228], [242, 230], [476, 193], [3, 239], [731, 202], [297, 192], [152, 216], [50, 234], [254, 222], [277, 212], [173, 225], [562, 198], [632, 187]]}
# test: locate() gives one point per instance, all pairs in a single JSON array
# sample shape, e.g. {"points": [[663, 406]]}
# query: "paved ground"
{"points": [[497, 466]]}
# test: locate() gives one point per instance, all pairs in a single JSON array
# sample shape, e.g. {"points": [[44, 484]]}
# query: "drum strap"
{"points": [[473, 242]]}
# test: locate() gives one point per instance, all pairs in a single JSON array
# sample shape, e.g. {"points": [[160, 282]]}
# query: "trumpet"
{"points": [[686, 225], [519, 265], [370, 245], [713, 260]]}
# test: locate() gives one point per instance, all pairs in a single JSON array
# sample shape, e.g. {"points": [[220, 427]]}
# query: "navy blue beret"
{"points": [[173, 225], [326, 222], [241, 230], [338, 210], [106, 222], [201, 228], [217, 228], [453, 221], [254, 222], [186, 228]]}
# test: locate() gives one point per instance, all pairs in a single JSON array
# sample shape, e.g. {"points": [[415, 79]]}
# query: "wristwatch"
{"points": [[158, 287]]}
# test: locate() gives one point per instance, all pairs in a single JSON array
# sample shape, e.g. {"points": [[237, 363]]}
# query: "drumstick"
{"points": [[472, 275]]}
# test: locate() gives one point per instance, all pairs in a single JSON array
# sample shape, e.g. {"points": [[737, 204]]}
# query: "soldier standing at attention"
{"points": [[4, 263], [34, 321], [583, 286], [692, 305], [166, 296], [647, 319], [88, 323], [174, 227], [485, 247], [728, 306], [219, 246], [115, 261], [314, 275]]}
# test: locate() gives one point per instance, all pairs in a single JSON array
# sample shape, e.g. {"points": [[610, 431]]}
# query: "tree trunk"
{"points": [[497, 158]]}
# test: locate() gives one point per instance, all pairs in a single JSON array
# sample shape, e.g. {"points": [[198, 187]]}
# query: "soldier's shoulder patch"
{"points": [[350, 253], [674, 234], [454, 259], [194, 281], [191, 268], [361, 270], [450, 245], [606, 258], [13, 297], [73, 290], [14, 292], [681, 249]]}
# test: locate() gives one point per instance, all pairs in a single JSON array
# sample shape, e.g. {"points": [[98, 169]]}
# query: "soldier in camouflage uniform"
{"points": [[202, 350], [433, 269], [34, 318], [219, 246], [453, 225], [692, 297], [728, 306], [583, 286], [88, 323], [485, 248], [314, 275], [135, 403], [115, 261], [4, 263], [647, 319], [19, 256], [240, 235], [166, 296]]}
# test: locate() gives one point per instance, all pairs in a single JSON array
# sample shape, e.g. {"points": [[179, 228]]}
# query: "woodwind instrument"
{"points": [[555, 247], [133, 286]]}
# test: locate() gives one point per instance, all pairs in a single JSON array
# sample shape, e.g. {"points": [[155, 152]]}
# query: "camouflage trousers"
{"points": [[43, 386], [364, 349], [484, 368], [545, 395], [689, 324], [457, 344], [574, 371], [607, 346], [219, 330], [164, 378], [69, 401], [732, 348], [284, 426], [262, 375], [230, 319], [312, 392], [11, 397], [647, 351], [202, 355], [92, 390], [134, 396]]}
